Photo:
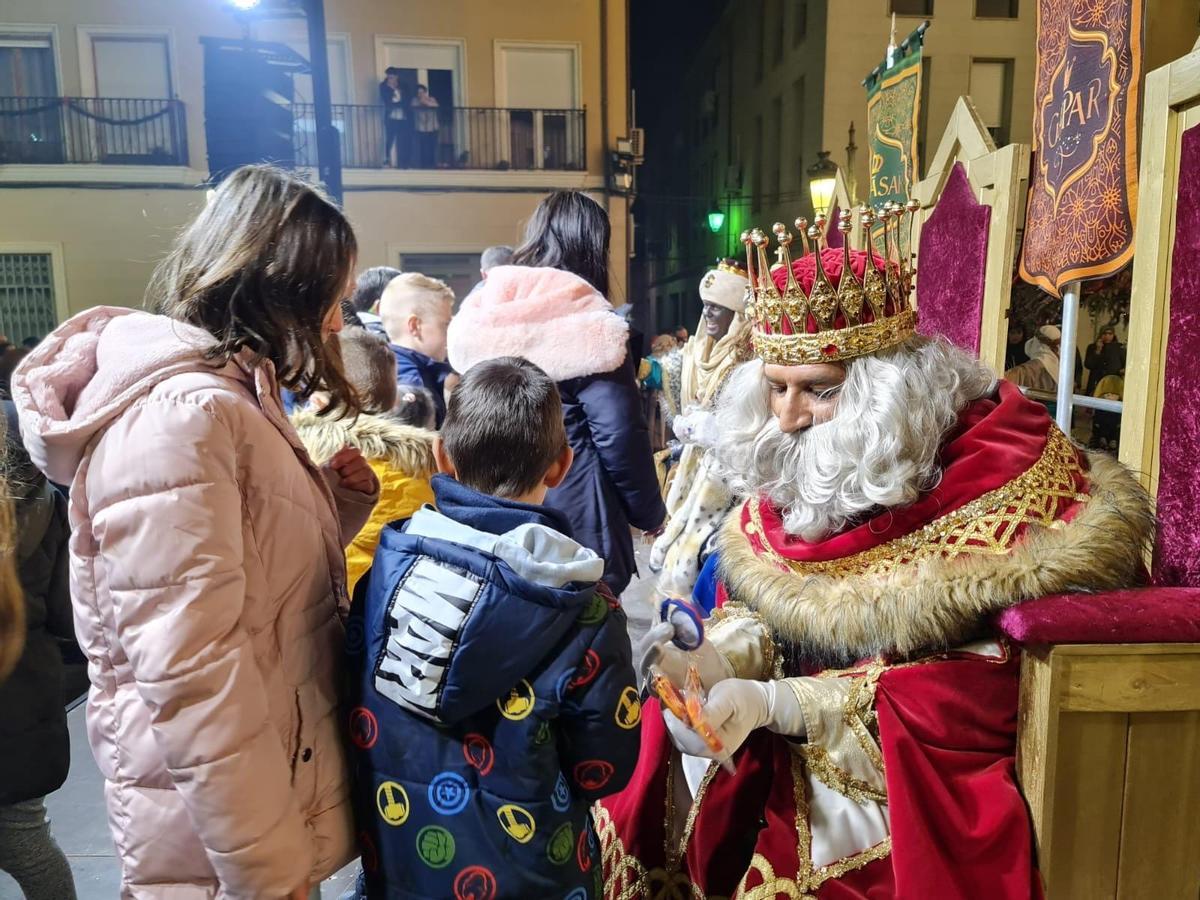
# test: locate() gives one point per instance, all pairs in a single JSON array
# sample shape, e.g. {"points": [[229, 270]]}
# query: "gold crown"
{"points": [[730, 265], [818, 321]]}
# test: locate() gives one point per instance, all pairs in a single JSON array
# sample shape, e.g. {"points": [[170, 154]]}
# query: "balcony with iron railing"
{"points": [[95, 130], [471, 138]]}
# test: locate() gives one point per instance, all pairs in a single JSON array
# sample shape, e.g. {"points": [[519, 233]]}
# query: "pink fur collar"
{"points": [[552, 318]]}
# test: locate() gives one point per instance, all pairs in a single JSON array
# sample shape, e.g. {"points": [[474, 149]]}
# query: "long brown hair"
{"points": [[259, 269]]}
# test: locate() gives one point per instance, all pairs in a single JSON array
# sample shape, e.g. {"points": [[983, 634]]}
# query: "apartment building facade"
{"points": [[104, 131]]}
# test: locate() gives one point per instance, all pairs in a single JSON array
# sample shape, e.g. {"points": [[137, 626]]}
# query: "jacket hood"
{"points": [[404, 448], [552, 318], [493, 590], [543, 584], [89, 370]]}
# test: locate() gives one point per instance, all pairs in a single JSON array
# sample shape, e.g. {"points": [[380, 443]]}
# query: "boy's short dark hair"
{"points": [[368, 288], [504, 427], [415, 406], [370, 368]]}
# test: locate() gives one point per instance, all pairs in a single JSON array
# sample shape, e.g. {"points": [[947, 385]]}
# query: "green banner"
{"points": [[893, 107]]}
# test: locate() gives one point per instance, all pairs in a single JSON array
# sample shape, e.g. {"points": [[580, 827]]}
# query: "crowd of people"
{"points": [[346, 557]]}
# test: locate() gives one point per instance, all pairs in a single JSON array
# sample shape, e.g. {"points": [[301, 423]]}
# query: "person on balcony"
{"points": [[896, 499], [396, 123], [424, 108]]}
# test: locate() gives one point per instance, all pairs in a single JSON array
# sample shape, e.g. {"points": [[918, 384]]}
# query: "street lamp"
{"points": [[329, 163], [822, 175], [716, 218]]}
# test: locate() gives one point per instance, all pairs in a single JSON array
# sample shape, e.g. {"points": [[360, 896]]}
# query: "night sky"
{"points": [[662, 35]]}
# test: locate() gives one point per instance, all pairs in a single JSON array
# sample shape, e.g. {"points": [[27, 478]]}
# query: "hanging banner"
{"points": [[1083, 183], [893, 107]]}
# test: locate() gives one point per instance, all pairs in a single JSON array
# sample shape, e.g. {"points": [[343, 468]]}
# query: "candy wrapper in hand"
{"points": [[688, 708]]}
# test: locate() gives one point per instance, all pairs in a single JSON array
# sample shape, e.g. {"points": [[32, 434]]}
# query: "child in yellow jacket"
{"points": [[401, 455]]}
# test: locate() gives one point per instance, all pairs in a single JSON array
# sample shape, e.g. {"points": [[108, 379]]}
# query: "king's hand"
{"points": [[655, 649], [735, 708]]}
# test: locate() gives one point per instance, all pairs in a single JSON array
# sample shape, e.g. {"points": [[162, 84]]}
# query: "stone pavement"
{"points": [[80, 823]]}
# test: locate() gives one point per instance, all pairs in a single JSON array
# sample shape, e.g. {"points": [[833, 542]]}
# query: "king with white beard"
{"points": [[894, 498]]}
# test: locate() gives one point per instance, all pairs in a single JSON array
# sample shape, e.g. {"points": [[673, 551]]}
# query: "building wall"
{"points": [[121, 219], [736, 77], [106, 241], [858, 37]]}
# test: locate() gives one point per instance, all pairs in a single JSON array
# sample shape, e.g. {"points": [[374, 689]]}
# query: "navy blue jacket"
{"points": [[424, 371], [612, 483], [489, 707]]}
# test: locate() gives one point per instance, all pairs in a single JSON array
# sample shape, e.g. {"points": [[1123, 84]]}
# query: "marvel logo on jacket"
{"points": [[493, 700]]}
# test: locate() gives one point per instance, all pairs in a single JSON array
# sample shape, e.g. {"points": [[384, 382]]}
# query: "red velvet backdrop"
{"points": [[1177, 552], [953, 259]]}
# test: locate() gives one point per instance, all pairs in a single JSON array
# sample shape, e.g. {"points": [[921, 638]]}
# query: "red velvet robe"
{"points": [[944, 721]]}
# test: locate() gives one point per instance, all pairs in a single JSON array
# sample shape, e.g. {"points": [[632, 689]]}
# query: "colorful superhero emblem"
{"points": [[392, 802], [478, 753], [519, 702]]}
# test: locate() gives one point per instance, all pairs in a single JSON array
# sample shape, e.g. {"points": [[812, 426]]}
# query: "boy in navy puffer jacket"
{"points": [[494, 695]]}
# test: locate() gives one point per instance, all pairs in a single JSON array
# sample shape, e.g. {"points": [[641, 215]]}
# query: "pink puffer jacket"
{"points": [[207, 572]]}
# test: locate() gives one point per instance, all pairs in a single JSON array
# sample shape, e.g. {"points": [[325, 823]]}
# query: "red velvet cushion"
{"points": [[1136, 616]]}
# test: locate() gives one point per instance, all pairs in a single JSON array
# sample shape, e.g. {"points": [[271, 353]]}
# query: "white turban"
{"points": [[726, 288]]}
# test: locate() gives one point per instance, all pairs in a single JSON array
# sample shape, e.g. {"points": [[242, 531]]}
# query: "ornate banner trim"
{"points": [[1081, 214]]}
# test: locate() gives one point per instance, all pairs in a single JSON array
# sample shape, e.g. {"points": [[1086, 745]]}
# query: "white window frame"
{"points": [[382, 41], [343, 38], [500, 83], [58, 272], [46, 31], [499, 45], [87, 61]]}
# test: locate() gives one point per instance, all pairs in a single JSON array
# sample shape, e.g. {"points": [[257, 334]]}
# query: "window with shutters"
{"points": [[28, 305]]}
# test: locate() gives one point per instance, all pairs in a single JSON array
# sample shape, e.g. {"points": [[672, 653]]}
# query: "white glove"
{"points": [[736, 707], [704, 429], [656, 649], [682, 426]]}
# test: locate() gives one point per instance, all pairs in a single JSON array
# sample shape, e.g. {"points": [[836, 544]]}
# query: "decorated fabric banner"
{"points": [[1083, 183], [893, 106]]}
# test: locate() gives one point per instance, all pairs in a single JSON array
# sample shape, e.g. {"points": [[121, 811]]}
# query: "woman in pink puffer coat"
{"points": [[206, 549]]}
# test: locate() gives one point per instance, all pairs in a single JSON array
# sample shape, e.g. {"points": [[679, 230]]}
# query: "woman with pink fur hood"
{"points": [[550, 308], [206, 548]]}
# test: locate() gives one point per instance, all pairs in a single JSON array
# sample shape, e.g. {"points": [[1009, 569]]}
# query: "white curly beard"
{"points": [[879, 450]]}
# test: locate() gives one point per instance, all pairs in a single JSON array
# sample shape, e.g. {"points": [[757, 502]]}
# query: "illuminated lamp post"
{"points": [[716, 218], [329, 163], [822, 175]]}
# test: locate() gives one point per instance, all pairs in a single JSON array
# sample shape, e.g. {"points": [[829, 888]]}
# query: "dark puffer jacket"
{"points": [[493, 700], [559, 322], [34, 748], [612, 483]]}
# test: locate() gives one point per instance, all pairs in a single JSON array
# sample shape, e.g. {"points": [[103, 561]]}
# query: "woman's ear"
{"points": [[444, 465], [559, 469]]}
